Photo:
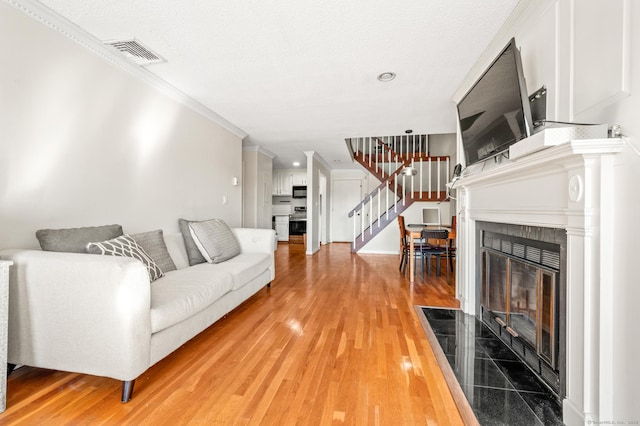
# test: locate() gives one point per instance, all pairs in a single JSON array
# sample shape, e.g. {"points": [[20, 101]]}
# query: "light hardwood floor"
{"points": [[334, 340]]}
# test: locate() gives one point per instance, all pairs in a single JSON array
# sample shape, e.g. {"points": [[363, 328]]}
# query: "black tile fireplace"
{"points": [[521, 286]]}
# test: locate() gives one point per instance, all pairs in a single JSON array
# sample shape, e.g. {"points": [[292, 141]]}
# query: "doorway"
{"points": [[346, 194]]}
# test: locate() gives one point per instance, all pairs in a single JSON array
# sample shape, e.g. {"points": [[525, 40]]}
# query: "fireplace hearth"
{"points": [[521, 294]]}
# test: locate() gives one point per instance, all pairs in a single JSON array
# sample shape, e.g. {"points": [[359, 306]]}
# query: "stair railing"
{"points": [[397, 191], [379, 154]]}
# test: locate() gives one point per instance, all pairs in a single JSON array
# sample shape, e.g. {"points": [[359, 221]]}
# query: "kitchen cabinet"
{"points": [[284, 179], [282, 182], [282, 227], [299, 177]]}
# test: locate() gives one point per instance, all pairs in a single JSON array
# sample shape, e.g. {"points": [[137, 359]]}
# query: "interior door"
{"points": [[346, 194]]}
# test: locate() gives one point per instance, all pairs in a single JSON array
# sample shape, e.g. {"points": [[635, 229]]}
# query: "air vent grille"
{"points": [[518, 250], [551, 259], [533, 254], [522, 249], [136, 52]]}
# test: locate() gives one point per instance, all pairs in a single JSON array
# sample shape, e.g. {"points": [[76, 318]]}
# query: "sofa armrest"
{"points": [[253, 240], [79, 312]]}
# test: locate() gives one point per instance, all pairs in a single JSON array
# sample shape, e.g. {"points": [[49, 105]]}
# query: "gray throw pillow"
{"points": [[153, 243], [126, 246], [193, 253], [215, 240], [75, 240]]}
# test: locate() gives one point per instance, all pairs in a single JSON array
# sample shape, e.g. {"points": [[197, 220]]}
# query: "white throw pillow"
{"points": [[215, 240]]}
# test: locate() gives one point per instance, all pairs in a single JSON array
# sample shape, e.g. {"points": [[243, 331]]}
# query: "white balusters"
{"points": [[379, 211], [429, 163], [413, 167], [362, 221], [438, 187], [395, 191], [355, 216], [387, 203], [421, 177], [404, 188]]}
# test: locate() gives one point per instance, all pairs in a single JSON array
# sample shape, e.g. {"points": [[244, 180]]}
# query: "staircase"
{"points": [[386, 157]]}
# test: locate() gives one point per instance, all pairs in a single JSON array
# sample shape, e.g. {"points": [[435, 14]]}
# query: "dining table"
{"points": [[414, 232]]}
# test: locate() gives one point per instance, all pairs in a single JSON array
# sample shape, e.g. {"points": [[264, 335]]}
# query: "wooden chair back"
{"points": [[403, 240]]}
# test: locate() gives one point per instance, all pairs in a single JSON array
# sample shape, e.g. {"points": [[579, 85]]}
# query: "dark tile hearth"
{"points": [[500, 388]]}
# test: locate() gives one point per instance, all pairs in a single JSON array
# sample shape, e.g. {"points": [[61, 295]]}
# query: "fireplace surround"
{"points": [[568, 187]]}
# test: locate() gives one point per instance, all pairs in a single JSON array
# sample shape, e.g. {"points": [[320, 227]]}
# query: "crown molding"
{"points": [[259, 149], [314, 155], [54, 21]]}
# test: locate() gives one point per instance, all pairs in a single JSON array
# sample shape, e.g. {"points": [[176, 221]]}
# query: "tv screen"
{"points": [[495, 112]]}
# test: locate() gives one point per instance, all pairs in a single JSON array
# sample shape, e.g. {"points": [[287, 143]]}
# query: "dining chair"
{"points": [[404, 246], [404, 251], [452, 249], [435, 250]]}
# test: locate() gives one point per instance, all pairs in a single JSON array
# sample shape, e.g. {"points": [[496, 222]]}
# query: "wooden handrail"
{"points": [[384, 184]]}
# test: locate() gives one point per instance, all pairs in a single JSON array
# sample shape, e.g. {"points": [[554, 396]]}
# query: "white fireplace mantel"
{"points": [[570, 187]]}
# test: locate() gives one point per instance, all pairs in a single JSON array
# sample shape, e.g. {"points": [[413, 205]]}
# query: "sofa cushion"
{"points": [[126, 246], [176, 249], [75, 240], [183, 293], [193, 252], [215, 240], [245, 267], [153, 243]]}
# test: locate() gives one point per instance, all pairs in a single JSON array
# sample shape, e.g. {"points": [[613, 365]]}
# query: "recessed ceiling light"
{"points": [[386, 76], [296, 164]]}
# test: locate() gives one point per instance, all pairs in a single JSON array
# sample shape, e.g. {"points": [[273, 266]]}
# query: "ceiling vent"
{"points": [[136, 52]]}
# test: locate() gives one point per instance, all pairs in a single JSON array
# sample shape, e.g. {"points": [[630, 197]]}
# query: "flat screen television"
{"points": [[495, 112]]}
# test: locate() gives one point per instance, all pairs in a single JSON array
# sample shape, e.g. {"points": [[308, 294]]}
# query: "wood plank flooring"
{"points": [[335, 340]]}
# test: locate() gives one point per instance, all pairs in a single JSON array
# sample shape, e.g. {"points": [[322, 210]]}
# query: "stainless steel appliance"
{"points": [[297, 224], [299, 191]]}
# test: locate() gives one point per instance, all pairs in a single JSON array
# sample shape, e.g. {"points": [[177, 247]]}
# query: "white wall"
{"points": [[256, 186], [587, 53], [85, 143], [316, 167]]}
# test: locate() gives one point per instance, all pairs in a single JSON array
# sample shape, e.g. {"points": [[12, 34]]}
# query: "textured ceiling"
{"points": [[300, 75]]}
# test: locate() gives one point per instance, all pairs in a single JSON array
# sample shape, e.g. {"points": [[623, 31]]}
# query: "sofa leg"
{"points": [[269, 285], [127, 390]]}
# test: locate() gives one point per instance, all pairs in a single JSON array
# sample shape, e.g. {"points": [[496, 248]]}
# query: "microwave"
{"points": [[299, 191]]}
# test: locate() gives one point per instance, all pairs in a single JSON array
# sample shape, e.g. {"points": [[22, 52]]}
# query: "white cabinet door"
{"points": [[284, 179], [282, 229], [281, 182], [285, 183], [299, 178]]}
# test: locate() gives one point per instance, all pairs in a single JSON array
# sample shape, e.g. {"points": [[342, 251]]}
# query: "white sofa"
{"points": [[100, 315]]}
